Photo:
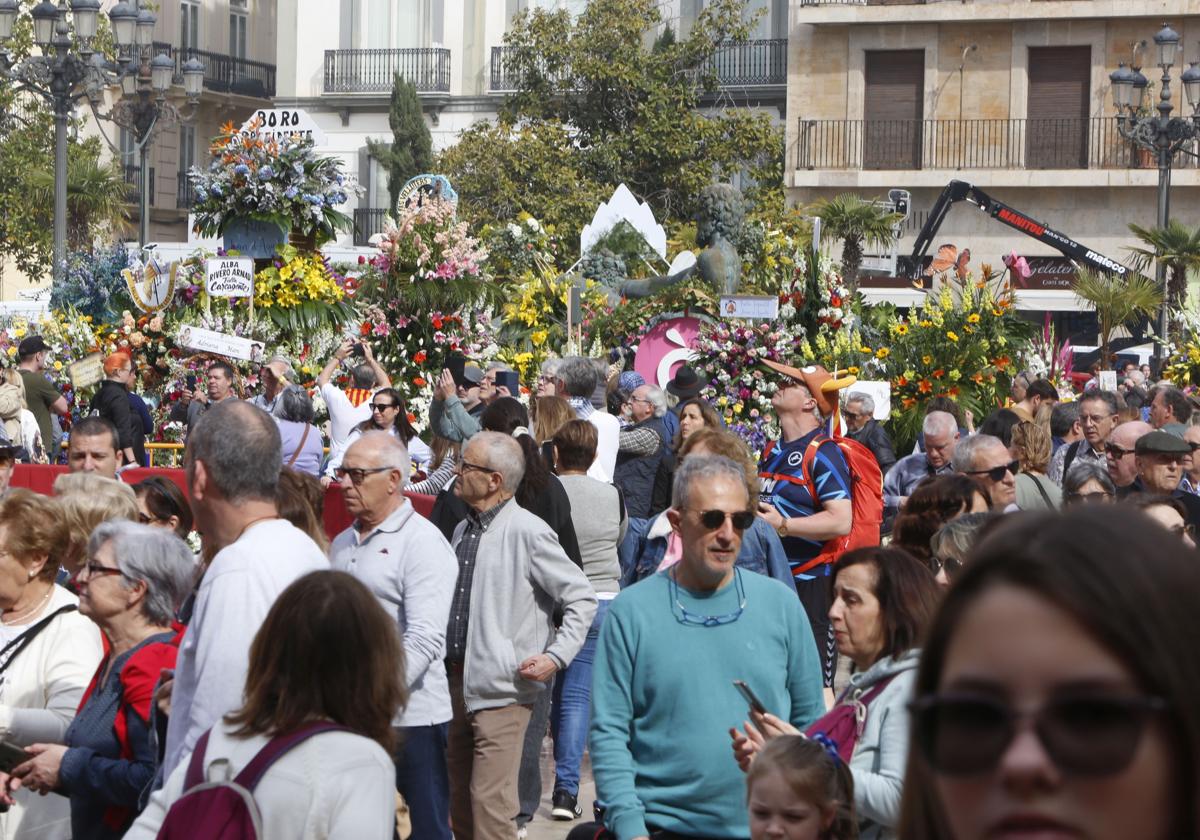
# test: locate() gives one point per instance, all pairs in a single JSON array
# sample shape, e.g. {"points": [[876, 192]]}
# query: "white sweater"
{"points": [[39, 695], [335, 785]]}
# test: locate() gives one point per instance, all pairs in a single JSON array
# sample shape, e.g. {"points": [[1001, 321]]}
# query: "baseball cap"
{"points": [[32, 344]]}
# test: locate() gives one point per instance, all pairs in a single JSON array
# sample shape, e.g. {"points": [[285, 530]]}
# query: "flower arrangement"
{"points": [[281, 181], [300, 291], [729, 355], [93, 284]]}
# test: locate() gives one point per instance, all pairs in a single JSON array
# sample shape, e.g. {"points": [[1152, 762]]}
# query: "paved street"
{"points": [[544, 828]]}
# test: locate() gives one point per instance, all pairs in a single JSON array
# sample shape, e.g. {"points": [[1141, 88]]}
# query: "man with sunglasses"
{"points": [[1160, 458], [502, 648], [1118, 451], [670, 649], [404, 560], [987, 460], [1097, 419]]}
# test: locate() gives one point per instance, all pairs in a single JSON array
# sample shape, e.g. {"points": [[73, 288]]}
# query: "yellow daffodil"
{"points": [[953, 336]]}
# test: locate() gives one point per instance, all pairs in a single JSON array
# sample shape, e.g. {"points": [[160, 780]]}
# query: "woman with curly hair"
{"points": [[935, 502]]}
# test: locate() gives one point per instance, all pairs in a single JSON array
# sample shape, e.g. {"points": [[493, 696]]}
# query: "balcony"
{"points": [[368, 221], [184, 196], [1005, 144], [225, 73], [132, 175], [373, 71], [757, 63]]}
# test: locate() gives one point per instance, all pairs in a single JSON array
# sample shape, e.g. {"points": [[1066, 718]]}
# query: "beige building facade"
{"points": [[1011, 96]]}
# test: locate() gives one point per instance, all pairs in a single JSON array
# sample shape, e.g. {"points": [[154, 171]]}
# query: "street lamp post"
{"points": [[69, 70], [1161, 134]]}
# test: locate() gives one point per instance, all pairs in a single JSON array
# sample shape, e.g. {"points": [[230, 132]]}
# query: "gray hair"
{"points": [[363, 376], [289, 372], [578, 376], [864, 399], [240, 447], [1082, 472], [939, 423], [1110, 400], [497, 365], [706, 468], [295, 405], [956, 537], [657, 397], [390, 451], [969, 447], [550, 367], [505, 456], [154, 556]]}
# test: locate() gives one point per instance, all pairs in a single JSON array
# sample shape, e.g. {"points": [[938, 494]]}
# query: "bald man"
{"points": [[1119, 456]]}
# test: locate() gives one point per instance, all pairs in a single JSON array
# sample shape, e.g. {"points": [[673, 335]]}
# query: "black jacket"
{"points": [[112, 403], [876, 439]]}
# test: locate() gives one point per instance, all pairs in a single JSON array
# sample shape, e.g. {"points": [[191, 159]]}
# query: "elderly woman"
{"points": [[86, 500], [884, 601], [953, 541], [303, 447], [1088, 481], [48, 651], [133, 581]]}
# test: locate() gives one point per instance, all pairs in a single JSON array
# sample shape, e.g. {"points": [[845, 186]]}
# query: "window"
{"points": [[128, 149], [189, 25], [1056, 133], [892, 108], [237, 33], [187, 147]]}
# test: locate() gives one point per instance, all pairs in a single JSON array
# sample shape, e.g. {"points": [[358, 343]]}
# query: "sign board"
{"points": [[420, 188], [1047, 273], [1108, 380], [151, 286], [665, 348], [285, 122], [207, 341], [230, 277], [880, 392], [750, 306], [87, 371]]}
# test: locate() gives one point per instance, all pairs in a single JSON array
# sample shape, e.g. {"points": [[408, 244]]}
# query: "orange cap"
{"points": [[819, 382]]}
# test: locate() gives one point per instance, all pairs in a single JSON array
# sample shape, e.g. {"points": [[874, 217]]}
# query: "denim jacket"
{"points": [[645, 545]]}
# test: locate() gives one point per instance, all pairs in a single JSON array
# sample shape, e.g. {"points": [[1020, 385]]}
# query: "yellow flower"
{"points": [[866, 349], [852, 370], [58, 365], [900, 329], [538, 337], [882, 353], [950, 334], [927, 323], [12, 350], [973, 318], [926, 359]]}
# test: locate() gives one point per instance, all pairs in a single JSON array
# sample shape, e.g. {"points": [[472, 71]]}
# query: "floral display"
{"points": [[281, 180], [300, 291]]}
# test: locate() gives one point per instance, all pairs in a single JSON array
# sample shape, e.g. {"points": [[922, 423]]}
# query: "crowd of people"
{"points": [[741, 650]]}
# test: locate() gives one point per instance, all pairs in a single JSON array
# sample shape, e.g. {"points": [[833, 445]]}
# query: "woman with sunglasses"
{"points": [[1167, 512], [134, 578], [1088, 482], [388, 414], [1057, 690], [952, 543], [161, 503], [883, 603]]}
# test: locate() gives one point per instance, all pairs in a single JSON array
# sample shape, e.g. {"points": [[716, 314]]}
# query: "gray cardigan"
{"points": [[880, 754], [521, 576]]}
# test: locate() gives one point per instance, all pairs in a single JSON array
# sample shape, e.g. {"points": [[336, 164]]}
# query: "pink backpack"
{"points": [[226, 810]]}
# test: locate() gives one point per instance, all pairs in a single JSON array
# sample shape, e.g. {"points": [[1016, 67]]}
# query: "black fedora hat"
{"points": [[686, 383]]}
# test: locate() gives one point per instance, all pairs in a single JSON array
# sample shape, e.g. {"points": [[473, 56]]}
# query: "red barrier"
{"points": [[40, 479]]}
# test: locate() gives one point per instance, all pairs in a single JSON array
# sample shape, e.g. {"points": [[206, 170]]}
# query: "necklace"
{"points": [[34, 610], [246, 527]]}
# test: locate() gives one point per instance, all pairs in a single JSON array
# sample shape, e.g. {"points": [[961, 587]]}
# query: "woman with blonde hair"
{"points": [[1031, 447], [48, 651], [85, 500]]}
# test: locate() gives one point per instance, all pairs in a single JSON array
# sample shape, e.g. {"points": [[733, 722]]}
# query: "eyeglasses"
{"points": [[850, 415], [685, 617], [1117, 451], [357, 475], [464, 465], [1095, 419], [952, 565], [1194, 444], [1084, 735], [1089, 498], [1183, 530], [997, 473], [382, 407], [95, 570], [714, 519], [146, 519]]}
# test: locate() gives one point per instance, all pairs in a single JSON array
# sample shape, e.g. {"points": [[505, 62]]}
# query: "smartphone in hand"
{"points": [[750, 697], [510, 380]]}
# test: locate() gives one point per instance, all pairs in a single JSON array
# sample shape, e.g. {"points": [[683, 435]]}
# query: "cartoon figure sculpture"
{"points": [[822, 384]]}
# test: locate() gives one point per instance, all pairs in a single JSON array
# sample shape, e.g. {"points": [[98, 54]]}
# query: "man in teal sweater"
{"points": [[663, 699]]}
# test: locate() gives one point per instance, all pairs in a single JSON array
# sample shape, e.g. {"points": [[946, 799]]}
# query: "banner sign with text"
{"points": [[208, 341], [230, 277]]}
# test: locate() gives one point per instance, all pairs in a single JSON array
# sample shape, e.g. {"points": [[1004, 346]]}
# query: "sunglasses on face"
{"points": [[1086, 735], [357, 476], [1089, 498], [714, 519], [1117, 451], [952, 565], [381, 407], [997, 473]]}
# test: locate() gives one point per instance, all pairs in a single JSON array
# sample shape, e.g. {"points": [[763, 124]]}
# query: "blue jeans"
{"points": [[572, 709], [422, 780]]}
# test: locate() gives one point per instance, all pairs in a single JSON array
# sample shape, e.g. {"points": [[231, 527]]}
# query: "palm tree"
{"points": [[1117, 300], [858, 222], [96, 196], [1175, 245]]}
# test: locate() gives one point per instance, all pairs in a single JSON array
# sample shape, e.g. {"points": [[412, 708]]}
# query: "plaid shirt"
{"points": [[460, 607]]}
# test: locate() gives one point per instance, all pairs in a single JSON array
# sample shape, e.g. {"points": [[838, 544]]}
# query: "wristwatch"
{"points": [[782, 530]]}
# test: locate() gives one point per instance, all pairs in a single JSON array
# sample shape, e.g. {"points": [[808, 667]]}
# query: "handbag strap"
{"points": [[277, 747], [299, 447], [14, 648], [1040, 489]]}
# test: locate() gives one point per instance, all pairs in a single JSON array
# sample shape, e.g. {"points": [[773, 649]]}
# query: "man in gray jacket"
{"points": [[501, 645], [406, 562]]}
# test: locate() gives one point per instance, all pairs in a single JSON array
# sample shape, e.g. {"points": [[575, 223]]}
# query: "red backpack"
{"points": [[226, 810], [866, 495]]}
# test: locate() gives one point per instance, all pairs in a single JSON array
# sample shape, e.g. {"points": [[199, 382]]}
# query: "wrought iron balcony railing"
{"points": [[373, 71]]}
